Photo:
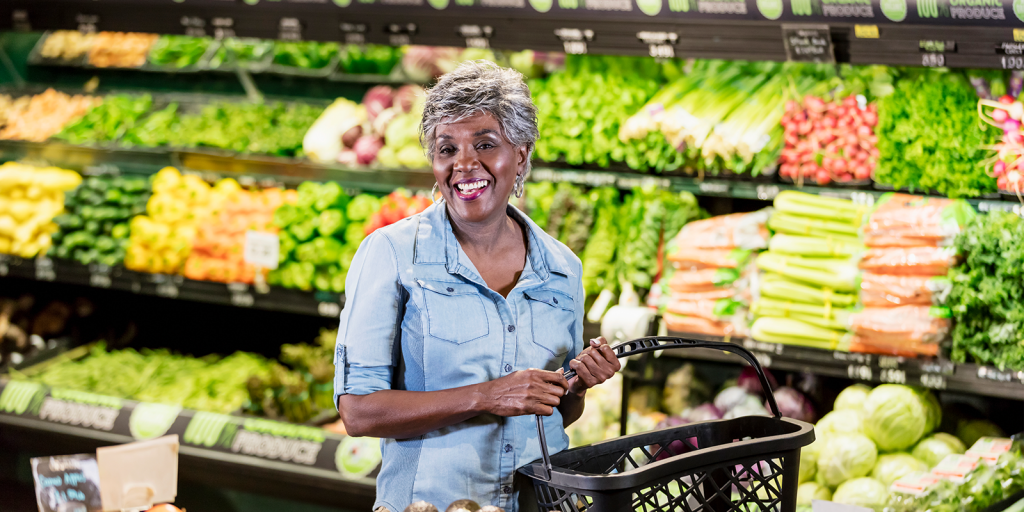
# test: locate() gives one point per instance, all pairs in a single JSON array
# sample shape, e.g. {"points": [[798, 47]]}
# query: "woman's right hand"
{"points": [[525, 392]]}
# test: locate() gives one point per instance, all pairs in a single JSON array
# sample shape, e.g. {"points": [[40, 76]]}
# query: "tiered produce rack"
{"points": [[923, 33]]}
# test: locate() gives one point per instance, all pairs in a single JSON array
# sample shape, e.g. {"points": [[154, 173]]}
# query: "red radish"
{"points": [[999, 115], [839, 165], [864, 131], [999, 168], [850, 101], [871, 118], [823, 178], [1006, 99], [845, 177], [862, 172]]}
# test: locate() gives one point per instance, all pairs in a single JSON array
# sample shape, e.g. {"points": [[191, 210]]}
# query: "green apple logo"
{"points": [[649, 7], [357, 456], [252, 2], [150, 420], [895, 10], [342, 3], [1018, 9], [771, 9], [541, 5], [438, 4]]}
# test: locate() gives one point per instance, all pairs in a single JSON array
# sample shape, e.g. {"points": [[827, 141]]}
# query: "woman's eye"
{"points": [[446, 150], [485, 145]]}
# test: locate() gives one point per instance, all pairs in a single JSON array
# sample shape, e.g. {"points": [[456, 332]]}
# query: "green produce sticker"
{"points": [[206, 428], [895, 10], [17, 396], [357, 456], [152, 420], [541, 5], [649, 7], [438, 4], [342, 3], [771, 9]]}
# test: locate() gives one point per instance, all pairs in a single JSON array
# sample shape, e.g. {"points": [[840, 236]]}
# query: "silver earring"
{"points": [[517, 189], [433, 193]]}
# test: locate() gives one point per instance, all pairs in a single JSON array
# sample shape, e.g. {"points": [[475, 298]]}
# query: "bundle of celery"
{"points": [[811, 270], [726, 114]]}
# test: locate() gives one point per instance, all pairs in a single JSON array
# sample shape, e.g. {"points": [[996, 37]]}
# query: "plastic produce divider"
{"points": [[651, 344]]}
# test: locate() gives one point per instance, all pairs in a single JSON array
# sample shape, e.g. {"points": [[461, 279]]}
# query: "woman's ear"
{"points": [[522, 156]]}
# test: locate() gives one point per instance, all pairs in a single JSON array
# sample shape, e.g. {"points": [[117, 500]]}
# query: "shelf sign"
{"points": [[87, 23], [261, 249], [289, 29], [574, 40], [400, 34], [355, 33], [223, 27], [659, 44], [19, 21], [808, 43], [476, 36], [194, 26], [67, 482]]}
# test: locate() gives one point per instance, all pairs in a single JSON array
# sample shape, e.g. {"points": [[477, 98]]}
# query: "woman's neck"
{"points": [[489, 236]]}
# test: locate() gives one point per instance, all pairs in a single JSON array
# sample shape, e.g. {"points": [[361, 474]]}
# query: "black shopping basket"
{"points": [[743, 464]]}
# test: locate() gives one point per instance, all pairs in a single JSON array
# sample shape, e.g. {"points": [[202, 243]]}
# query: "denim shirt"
{"points": [[419, 317]]}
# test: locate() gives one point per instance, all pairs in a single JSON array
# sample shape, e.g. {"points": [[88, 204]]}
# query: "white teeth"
{"points": [[469, 187]]}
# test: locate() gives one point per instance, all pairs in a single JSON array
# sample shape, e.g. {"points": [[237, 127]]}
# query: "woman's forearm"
{"points": [[572, 407], [399, 414]]}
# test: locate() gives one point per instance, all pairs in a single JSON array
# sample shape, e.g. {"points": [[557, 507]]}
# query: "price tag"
{"points": [[659, 44], [865, 31], [289, 29], [240, 295], [355, 33], [223, 27], [859, 372], [44, 270], [1010, 62], [477, 36], [892, 376], [328, 309], [19, 20], [989, 373], [767, 192], [764, 358], [400, 34], [87, 23], [261, 249], [4, 265], [194, 26], [99, 276], [933, 60], [574, 40], [169, 290], [808, 43], [714, 188], [933, 381], [67, 482]]}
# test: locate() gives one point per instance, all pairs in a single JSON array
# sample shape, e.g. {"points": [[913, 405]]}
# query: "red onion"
{"points": [[367, 147], [793, 404], [748, 380], [377, 99]]}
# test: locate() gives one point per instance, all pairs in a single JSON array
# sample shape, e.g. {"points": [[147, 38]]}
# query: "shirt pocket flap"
{"points": [[553, 298], [455, 311], [447, 287]]}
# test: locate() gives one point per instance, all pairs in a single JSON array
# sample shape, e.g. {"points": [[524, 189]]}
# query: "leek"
{"points": [[829, 247], [833, 318], [810, 205], [836, 274], [810, 226], [794, 332], [778, 287]]}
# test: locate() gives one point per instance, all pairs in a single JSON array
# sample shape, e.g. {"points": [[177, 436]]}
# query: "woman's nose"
{"points": [[466, 161]]}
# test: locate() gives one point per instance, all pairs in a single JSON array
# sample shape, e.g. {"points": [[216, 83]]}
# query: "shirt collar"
{"points": [[436, 244]]}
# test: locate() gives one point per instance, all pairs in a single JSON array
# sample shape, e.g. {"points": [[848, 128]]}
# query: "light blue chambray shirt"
{"points": [[419, 317]]}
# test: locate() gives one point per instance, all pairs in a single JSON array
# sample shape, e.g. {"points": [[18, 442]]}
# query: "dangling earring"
{"points": [[433, 194], [517, 189]]}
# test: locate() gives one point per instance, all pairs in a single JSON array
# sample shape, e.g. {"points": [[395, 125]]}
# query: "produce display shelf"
{"points": [[276, 170], [242, 295], [250, 453], [937, 374]]}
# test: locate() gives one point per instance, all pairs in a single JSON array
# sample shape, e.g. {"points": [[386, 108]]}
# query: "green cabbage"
{"points": [[933, 410], [936, 447], [844, 421], [862, 492], [852, 397], [970, 431], [893, 466], [894, 417], [809, 460], [845, 456], [812, 491]]}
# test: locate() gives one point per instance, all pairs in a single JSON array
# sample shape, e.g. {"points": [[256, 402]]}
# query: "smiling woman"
{"points": [[460, 321]]}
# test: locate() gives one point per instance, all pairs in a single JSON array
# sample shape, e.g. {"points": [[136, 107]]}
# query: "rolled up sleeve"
{"points": [[364, 356]]}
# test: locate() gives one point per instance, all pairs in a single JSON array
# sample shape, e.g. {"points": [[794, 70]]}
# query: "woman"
{"points": [[460, 321]]}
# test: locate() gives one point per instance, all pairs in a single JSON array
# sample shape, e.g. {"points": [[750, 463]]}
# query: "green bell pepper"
{"points": [[332, 222]]}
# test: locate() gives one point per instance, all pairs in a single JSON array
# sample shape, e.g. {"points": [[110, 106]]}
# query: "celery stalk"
{"points": [[778, 287], [810, 226], [810, 246], [795, 332], [835, 274]]}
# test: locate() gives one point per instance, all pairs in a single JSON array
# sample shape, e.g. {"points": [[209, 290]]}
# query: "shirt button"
{"points": [[507, 489], [554, 300], [511, 328], [450, 289], [508, 448], [508, 367]]}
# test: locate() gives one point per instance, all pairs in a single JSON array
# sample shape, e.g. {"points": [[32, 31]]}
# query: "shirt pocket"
{"points": [[554, 314], [455, 311]]}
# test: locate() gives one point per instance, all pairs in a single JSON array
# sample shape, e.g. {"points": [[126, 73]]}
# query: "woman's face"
{"points": [[476, 167]]}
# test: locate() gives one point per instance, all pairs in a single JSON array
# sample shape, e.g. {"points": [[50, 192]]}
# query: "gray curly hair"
{"points": [[482, 86]]}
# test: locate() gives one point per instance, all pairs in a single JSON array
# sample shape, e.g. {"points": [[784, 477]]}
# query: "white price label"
{"points": [[328, 309], [859, 372], [933, 381], [44, 270], [262, 249]]}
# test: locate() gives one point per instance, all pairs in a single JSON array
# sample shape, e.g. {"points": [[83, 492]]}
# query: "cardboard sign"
{"points": [[138, 475], [261, 249], [67, 483]]}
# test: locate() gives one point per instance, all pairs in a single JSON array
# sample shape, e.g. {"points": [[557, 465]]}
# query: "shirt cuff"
{"points": [[357, 380]]}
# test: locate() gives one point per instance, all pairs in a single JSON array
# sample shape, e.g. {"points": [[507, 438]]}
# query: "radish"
{"points": [[1000, 116], [823, 178], [862, 172], [999, 168]]}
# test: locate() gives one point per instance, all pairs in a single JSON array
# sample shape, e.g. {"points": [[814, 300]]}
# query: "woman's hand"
{"points": [[525, 392], [596, 364]]}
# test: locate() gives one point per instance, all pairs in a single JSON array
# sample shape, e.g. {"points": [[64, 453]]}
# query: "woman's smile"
{"points": [[471, 189]]}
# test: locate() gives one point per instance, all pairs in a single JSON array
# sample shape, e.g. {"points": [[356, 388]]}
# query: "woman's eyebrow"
{"points": [[485, 131], [445, 136]]}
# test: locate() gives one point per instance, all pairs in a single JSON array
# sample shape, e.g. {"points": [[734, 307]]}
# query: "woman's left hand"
{"points": [[596, 364]]}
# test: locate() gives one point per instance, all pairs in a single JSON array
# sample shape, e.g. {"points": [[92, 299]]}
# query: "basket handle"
{"points": [[651, 344]]}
